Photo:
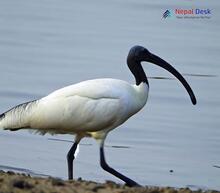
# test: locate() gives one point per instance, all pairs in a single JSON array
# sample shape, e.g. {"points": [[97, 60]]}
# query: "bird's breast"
{"points": [[138, 98]]}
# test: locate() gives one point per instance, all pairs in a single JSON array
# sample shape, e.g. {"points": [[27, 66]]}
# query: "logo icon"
{"points": [[166, 14]]}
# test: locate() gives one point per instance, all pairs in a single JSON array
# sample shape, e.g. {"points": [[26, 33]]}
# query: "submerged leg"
{"points": [[107, 168], [71, 157]]}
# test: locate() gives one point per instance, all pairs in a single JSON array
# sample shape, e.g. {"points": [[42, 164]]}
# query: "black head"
{"points": [[137, 54]]}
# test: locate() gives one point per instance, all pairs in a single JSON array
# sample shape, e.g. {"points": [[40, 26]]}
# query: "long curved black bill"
{"points": [[162, 63]]}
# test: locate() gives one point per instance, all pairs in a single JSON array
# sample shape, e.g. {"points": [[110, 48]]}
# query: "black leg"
{"points": [[106, 167], [70, 158]]}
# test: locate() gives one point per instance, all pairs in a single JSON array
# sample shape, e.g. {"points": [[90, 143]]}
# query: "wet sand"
{"points": [[11, 182]]}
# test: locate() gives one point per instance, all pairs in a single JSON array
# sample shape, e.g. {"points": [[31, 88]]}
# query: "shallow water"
{"points": [[45, 45]]}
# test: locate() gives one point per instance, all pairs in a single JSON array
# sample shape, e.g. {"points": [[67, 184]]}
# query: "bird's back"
{"points": [[96, 88], [88, 106]]}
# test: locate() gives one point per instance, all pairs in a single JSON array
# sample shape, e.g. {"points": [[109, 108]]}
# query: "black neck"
{"points": [[138, 71]]}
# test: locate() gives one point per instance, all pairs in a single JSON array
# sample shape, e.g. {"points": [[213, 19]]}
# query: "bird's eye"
{"points": [[142, 52]]}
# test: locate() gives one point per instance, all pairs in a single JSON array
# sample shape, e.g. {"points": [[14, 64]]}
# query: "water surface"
{"points": [[46, 45]]}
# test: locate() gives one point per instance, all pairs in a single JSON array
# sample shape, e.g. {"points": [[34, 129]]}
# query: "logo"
{"points": [[193, 13], [166, 14]]}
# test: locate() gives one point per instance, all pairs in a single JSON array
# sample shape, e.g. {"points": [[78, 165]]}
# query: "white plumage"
{"points": [[85, 108]]}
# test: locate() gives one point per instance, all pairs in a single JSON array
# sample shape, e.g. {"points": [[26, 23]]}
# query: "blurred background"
{"points": [[49, 44]]}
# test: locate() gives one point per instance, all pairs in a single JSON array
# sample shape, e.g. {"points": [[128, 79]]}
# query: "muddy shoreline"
{"points": [[11, 182]]}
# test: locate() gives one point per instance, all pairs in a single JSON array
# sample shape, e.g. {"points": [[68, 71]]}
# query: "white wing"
{"points": [[84, 107], [88, 106], [95, 89]]}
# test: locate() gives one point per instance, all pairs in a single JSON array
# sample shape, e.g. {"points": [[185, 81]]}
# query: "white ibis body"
{"points": [[90, 108]]}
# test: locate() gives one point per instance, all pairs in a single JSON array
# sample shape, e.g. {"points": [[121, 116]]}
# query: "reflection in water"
{"points": [[200, 75], [89, 144], [185, 74]]}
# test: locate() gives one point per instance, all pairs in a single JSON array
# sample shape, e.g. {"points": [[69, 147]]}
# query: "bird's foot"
{"points": [[132, 184]]}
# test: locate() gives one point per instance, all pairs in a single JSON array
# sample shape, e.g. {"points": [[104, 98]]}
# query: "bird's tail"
{"points": [[18, 117]]}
